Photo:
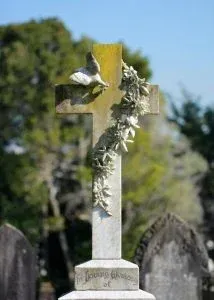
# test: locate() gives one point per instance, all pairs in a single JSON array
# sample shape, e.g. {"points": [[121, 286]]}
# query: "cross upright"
{"points": [[71, 99]]}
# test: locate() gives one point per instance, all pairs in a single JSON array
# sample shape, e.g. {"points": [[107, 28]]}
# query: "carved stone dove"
{"points": [[89, 75]]}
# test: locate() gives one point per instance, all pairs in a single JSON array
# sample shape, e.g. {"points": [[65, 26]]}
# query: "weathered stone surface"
{"points": [[106, 230], [17, 265], [108, 295], [107, 275], [153, 100], [72, 99], [172, 260], [170, 276], [77, 99]]}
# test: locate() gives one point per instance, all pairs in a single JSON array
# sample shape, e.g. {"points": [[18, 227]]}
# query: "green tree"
{"points": [[197, 124], [160, 174], [34, 56]]}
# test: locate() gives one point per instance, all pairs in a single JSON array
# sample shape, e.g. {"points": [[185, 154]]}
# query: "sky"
{"points": [[176, 36]]}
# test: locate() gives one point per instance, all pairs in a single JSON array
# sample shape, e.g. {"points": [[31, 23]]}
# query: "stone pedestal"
{"points": [[108, 295], [107, 279], [115, 274]]}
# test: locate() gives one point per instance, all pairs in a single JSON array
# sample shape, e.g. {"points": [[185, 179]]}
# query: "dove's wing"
{"points": [[80, 78], [83, 70]]}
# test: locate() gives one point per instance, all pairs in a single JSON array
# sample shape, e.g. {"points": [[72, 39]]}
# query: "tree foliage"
{"points": [[160, 175], [197, 124]]}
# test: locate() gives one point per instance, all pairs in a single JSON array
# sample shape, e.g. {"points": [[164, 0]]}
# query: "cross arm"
{"points": [[153, 100], [73, 99]]}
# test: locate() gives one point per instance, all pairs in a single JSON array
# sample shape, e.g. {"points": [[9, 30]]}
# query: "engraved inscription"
{"points": [[107, 276]]}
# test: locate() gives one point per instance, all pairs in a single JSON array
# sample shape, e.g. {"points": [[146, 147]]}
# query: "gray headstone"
{"points": [[17, 265], [172, 260]]}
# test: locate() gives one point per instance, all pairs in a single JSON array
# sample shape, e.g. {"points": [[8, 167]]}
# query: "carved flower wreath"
{"points": [[134, 103]]}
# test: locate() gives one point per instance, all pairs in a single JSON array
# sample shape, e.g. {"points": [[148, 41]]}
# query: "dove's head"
{"points": [[89, 56], [92, 63]]}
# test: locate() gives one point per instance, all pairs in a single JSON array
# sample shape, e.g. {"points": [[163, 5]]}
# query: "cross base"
{"points": [[115, 274], [108, 295]]}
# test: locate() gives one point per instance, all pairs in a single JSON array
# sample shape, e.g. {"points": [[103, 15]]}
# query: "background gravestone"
{"points": [[17, 265], [172, 260]]}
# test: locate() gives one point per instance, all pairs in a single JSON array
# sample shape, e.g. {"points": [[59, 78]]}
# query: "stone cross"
{"points": [[70, 99]]}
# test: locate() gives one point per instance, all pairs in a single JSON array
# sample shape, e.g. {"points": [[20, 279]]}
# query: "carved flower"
{"points": [[144, 90], [133, 70], [132, 121]]}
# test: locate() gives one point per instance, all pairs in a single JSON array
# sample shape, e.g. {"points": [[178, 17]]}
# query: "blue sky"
{"points": [[177, 36]]}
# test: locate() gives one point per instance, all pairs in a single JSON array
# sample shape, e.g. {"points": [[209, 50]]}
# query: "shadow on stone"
{"points": [[78, 95]]}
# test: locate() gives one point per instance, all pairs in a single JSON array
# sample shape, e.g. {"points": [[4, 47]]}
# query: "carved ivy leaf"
{"points": [[107, 193], [132, 121], [132, 132], [123, 146], [144, 90]]}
